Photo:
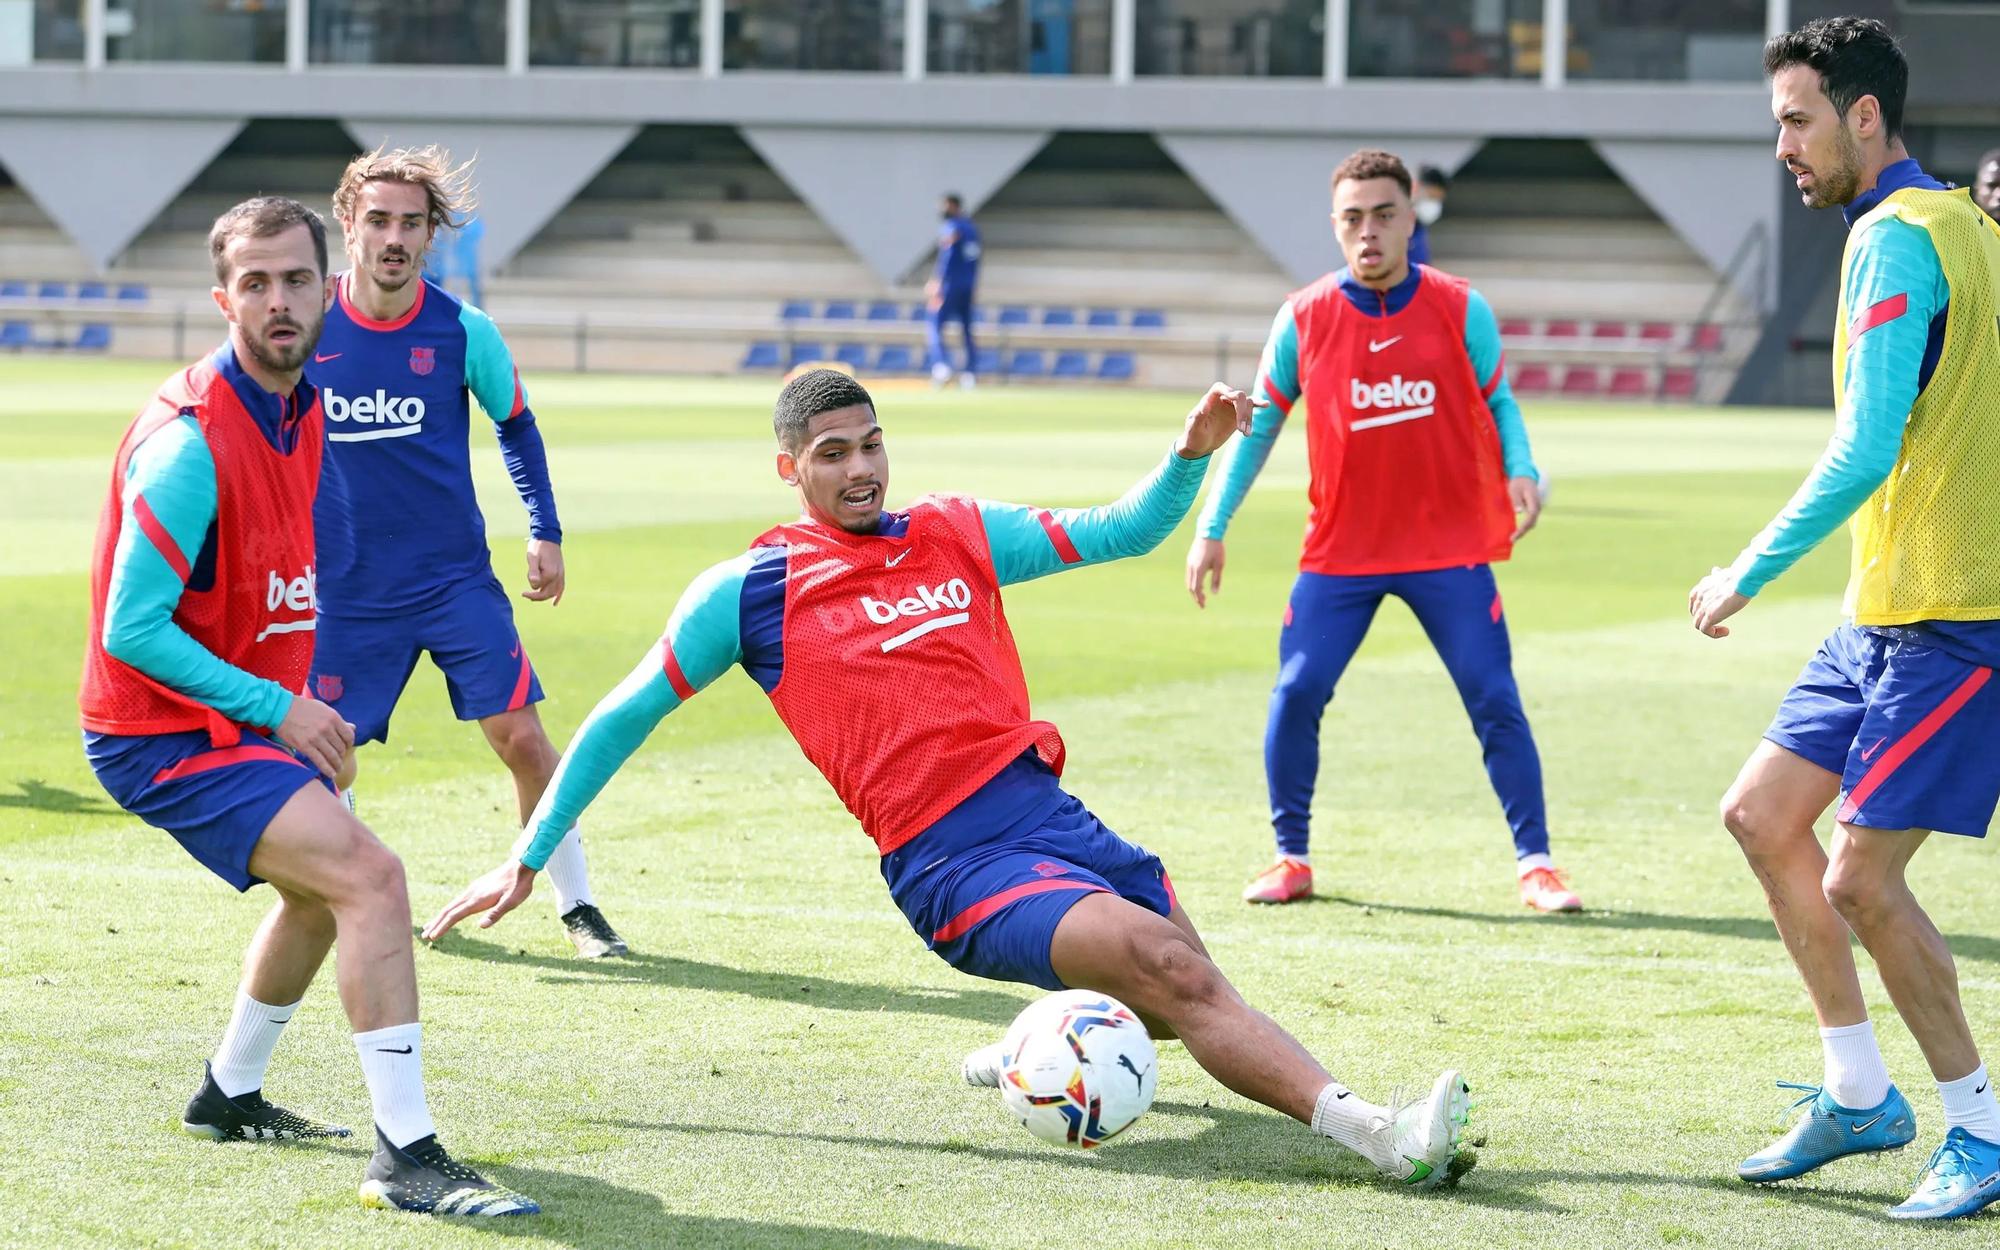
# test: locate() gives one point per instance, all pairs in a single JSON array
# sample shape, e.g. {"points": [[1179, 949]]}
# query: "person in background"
{"points": [[950, 290], [1428, 201], [1986, 183]]}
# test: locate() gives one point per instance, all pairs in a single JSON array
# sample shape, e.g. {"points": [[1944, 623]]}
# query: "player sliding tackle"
{"points": [[882, 642]]}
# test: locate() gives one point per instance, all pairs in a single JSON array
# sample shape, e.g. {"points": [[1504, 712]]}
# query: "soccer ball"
{"points": [[1077, 1068]]}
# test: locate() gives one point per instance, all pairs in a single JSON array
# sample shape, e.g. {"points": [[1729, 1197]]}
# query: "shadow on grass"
{"points": [[1503, 1183], [985, 1006], [1963, 945], [1241, 1147], [42, 797]]}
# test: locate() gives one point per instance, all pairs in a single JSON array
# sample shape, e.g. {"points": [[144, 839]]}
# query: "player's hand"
{"points": [[1714, 600], [317, 732], [1525, 493], [933, 295], [1204, 564], [545, 571], [1218, 414], [496, 894]]}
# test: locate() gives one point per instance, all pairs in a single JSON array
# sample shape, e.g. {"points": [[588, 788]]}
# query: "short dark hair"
{"points": [[807, 396], [1373, 163], [954, 199], [260, 218], [1854, 57], [1432, 176]]}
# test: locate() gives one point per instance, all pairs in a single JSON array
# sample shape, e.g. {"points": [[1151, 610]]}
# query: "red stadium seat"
{"points": [[1656, 332], [1517, 328], [1610, 330], [1629, 383], [1561, 330], [1677, 383], [1582, 380], [1532, 380], [1707, 337]]}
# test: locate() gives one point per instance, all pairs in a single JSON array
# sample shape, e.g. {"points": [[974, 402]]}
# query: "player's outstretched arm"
{"points": [[1277, 388], [702, 639], [1034, 542]]}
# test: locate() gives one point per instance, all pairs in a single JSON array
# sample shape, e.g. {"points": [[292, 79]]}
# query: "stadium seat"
{"points": [[803, 353], [1706, 337], [133, 292], [895, 358], [1014, 315], [1656, 332], [1677, 383], [1532, 380], [1070, 365], [853, 355], [1605, 330], [1149, 319], [885, 310], [1116, 367], [17, 335], [1517, 328], [1561, 330], [981, 314], [763, 354], [986, 362], [1102, 319], [1058, 316], [94, 337], [92, 291], [1027, 362], [1582, 380], [838, 310], [13, 289], [52, 290], [1629, 383], [796, 310], [920, 311]]}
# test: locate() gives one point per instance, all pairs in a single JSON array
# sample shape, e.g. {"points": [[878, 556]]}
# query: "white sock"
{"points": [[1856, 1078], [1342, 1115], [1968, 1104], [392, 1060], [1528, 863], [245, 1049], [1304, 861], [569, 877]]}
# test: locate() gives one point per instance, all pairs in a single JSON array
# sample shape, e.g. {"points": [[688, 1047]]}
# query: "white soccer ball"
{"points": [[1077, 1068]]}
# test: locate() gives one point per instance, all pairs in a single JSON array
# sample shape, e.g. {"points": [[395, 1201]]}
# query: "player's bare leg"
{"points": [[1157, 966], [518, 738]]}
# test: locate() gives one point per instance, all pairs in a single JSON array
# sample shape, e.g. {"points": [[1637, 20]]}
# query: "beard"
{"points": [[283, 357], [1839, 182]]}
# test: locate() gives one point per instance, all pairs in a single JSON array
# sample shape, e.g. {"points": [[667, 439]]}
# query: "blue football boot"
{"points": [[1828, 1131], [1962, 1178]]}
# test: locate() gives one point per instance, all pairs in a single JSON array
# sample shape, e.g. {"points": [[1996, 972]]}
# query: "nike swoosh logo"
{"points": [[1342, 1094], [1373, 346], [896, 559], [1869, 754], [391, 1050], [515, 654], [1867, 1124], [320, 360]]}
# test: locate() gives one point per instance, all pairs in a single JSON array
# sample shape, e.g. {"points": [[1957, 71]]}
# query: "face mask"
{"points": [[1428, 211]]}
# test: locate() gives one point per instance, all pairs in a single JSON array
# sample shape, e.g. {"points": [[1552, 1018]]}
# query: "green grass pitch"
{"points": [[777, 1064]]}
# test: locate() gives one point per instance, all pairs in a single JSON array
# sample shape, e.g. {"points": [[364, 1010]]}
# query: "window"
{"points": [[861, 35], [1231, 38], [195, 30], [1020, 37], [409, 32], [1444, 39]]}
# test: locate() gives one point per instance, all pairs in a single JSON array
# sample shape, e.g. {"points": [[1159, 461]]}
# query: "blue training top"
{"points": [[958, 256]]}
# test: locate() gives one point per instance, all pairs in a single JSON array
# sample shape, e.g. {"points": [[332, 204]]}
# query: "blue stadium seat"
{"points": [[853, 355], [796, 310], [17, 335], [885, 310], [1028, 362], [763, 354], [1015, 315], [980, 315], [53, 290], [133, 292], [1116, 367], [1148, 319], [1071, 365], [987, 361], [94, 337], [1102, 319], [92, 291], [1058, 316], [920, 311], [804, 352], [838, 310], [13, 288], [895, 358]]}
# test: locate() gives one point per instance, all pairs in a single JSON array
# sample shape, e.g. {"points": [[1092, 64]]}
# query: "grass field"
{"points": [[777, 1062]]}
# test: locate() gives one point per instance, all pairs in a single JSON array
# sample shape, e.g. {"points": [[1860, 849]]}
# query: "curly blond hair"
{"points": [[448, 186]]}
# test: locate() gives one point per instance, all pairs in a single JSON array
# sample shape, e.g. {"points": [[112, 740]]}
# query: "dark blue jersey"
{"points": [[958, 256]]}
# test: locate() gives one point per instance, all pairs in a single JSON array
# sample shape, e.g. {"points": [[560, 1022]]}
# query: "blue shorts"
{"points": [[988, 903], [1912, 730], [216, 801], [361, 664]]}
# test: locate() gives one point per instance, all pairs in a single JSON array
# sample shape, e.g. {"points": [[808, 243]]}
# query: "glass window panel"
{"points": [[615, 32], [1020, 37], [409, 32], [1444, 39], [195, 30], [863, 35], [1232, 38], [1683, 40], [40, 30]]}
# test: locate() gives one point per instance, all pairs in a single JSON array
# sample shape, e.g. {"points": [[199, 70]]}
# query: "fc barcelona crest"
{"points": [[330, 688], [423, 360]]}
